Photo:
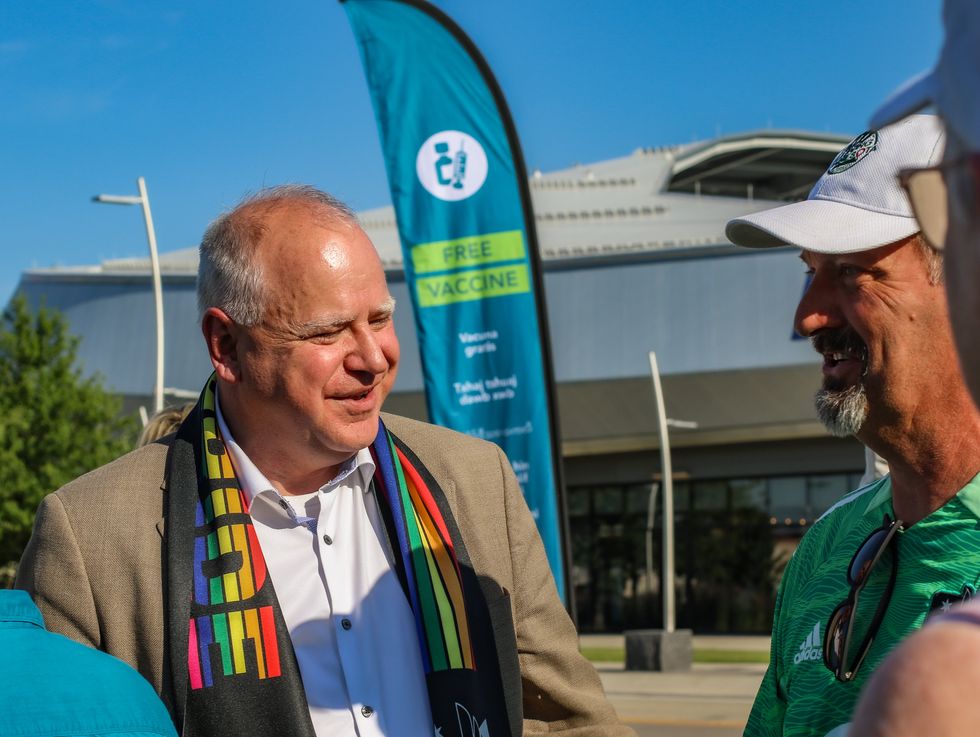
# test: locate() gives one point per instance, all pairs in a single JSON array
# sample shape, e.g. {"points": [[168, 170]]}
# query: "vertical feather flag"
{"points": [[462, 202]]}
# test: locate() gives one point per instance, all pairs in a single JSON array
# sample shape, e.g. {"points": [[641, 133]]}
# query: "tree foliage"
{"points": [[55, 424]]}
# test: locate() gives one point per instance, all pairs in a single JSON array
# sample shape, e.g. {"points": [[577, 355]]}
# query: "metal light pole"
{"points": [[667, 583], [652, 505], [667, 649], [144, 200]]}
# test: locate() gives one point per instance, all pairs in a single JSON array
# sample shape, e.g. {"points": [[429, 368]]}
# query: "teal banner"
{"points": [[462, 202]]}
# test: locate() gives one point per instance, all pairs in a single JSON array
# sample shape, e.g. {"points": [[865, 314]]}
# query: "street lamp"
{"points": [[667, 584], [667, 476], [144, 200]]}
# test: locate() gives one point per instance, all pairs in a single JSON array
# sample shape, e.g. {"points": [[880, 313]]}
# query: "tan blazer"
{"points": [[96, 568]]}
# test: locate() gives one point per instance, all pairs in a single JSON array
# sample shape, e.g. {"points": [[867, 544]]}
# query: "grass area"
{"points": [[701, 655], [604, 654], [711, 655]]}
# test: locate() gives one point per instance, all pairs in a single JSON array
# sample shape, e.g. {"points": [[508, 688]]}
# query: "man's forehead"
{"points": [[303, 234]]}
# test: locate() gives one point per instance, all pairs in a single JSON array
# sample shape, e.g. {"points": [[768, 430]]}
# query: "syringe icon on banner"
{"points": [[459, 167], [457, 161]]}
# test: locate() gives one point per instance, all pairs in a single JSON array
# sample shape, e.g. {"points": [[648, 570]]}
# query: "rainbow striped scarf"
{"points": [[241, 675], [452, 621], [428, 566]]}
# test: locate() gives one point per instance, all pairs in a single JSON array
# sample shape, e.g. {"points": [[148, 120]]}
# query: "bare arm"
{"points": [[927, 686]]}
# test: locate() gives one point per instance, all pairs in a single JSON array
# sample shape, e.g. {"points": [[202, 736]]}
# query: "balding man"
{"points": [[886, 556], [313, 567]]}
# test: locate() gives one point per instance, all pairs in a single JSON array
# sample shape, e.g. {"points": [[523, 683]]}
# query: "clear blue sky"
{"points": [[208, 100]]}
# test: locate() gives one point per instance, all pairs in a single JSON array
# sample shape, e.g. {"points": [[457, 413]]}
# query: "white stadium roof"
{"points": [[654, 200]]}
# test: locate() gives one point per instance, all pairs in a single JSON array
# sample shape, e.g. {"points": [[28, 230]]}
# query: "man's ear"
{"points": [[222, 336]]}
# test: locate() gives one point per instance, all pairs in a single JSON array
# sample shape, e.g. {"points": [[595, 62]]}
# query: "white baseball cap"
{"points": [[953, 86], [858, 204]]}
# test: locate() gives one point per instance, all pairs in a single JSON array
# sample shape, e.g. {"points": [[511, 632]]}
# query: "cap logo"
{"points": [[855, 151]]}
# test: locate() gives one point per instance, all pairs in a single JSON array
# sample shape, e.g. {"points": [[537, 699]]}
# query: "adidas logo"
{"points": [[811, 648]]}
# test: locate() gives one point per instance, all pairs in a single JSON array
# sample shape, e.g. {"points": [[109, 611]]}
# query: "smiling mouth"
{"points": [[358, 397], [832, 359], [845, 357]]}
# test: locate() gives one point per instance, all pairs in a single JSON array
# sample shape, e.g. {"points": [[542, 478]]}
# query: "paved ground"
{"points": [[710, 700], [707, 697]]}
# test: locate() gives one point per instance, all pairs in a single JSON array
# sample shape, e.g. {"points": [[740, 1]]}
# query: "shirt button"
{"points": [[327, 539], [346, 623], [367, 710]]}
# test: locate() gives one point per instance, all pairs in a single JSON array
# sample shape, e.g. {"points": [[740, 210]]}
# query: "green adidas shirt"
{"points": [[938, 564]]}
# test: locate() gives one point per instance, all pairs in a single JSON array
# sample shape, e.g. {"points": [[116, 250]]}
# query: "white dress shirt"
{"points": [[350, 623]]}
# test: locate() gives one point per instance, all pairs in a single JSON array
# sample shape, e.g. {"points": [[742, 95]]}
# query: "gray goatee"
{"points": [[842, 411]]}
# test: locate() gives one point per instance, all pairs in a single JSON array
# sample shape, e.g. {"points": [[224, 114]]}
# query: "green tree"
{"points": [[55, 424]]}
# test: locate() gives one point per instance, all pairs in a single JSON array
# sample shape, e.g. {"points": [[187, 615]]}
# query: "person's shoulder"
{"points": [[836, 526], [140, 468], [116, 686], [845, 515], [853, 504], [74, 677], [78, 660]]}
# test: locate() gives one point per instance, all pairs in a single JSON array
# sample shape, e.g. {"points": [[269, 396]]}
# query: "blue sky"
{"points": [[208, 100]]}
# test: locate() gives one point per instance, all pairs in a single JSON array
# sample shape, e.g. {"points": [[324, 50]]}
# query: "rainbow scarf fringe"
{"points": [[428, 559]]}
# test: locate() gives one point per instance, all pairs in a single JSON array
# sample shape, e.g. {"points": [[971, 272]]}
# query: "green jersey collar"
{"points": [[882, 496], [969, 495]]}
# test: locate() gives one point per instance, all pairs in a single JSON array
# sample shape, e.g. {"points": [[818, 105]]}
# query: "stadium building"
{"points": [[635, 260]]}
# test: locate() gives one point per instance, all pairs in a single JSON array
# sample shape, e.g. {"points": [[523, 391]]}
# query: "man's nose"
{"points": [[817, 309], [367, 354]]}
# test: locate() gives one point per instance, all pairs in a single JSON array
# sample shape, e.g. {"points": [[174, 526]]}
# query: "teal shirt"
{"points": [[938, 561], [51, 686]]}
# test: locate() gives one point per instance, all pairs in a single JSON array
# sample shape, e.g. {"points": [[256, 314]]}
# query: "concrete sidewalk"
{"points": [[708, 696]]}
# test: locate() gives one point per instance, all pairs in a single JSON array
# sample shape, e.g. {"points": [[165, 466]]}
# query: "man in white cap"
{"points": [[879, 561], [929, 684]]}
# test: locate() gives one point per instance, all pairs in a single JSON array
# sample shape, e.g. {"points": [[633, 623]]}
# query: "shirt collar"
{"points": [[253, 482], [17, 609], [881, 495], [969, 495]]}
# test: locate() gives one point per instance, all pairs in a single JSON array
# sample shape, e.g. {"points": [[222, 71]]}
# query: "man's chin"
{"points": [[362, 432], [843, 412]]}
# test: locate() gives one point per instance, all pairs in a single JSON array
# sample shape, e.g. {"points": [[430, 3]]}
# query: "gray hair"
{"points": [[933, 260], [229, 276]]}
